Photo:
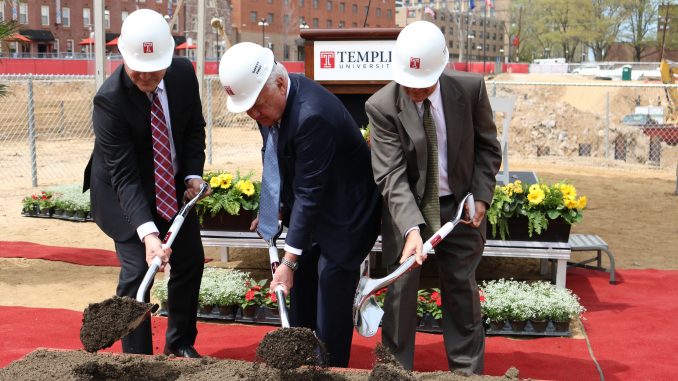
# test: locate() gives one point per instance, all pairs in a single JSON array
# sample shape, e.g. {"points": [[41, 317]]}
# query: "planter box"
{"points": [[558, 231], [528, 330], [225, 221]]}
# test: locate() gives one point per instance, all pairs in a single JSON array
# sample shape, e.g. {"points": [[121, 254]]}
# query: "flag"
{"points": [[516, 41], [471, 4], [488, 3], [430, 12]]}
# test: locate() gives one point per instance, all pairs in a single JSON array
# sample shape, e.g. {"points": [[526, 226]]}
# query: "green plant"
{"points": [[230, 193], [30, 202], [7, 28], [159, 291], [429, 302], [539, 203], [366, 132], [255, 294]]}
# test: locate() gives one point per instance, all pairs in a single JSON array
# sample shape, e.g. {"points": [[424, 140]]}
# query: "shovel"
{"points": [[95, 337], [366, 312], [275, 262]]}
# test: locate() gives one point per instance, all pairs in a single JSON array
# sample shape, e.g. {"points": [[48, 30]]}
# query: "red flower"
{"points": [[34, 197], [249, 295], [273, 297], [482, 297], [383, 290], [256, 288], [435, 296]]}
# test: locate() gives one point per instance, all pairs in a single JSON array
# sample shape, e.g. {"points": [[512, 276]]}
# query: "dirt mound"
{"points": [[290, 348]]}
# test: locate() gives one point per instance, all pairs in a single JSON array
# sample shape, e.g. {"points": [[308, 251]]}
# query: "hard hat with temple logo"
{"points": [[145, 41], [243, 72], [420, 55]]}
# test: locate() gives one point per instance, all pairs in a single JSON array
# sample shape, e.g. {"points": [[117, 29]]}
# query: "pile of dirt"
{"points": [[43, 365], [106, 322], [290, 348]]}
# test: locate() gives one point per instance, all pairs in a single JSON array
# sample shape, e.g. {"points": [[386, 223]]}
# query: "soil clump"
{"points": [[290, 348], [106, 322]]}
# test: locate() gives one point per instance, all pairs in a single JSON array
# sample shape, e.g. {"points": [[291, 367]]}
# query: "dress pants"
{"points": [[322, 300], [187, 262], [458, 256]]}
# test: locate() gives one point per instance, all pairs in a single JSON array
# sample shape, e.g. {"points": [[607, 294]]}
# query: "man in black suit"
{"points": [[328, 198], [148, 155]]}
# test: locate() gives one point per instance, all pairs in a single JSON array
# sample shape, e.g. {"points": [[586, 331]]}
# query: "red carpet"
{"points": [[78, 256], [628, 326], [85, 257]]}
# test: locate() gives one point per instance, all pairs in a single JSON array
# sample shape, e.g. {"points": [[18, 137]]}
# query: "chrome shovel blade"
{"points": [[368, 317]]}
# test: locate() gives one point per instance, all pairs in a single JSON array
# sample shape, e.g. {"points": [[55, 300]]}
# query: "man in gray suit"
{"points": [[433, 140]]}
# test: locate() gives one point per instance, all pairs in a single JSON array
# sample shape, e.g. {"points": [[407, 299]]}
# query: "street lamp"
{"points": [[301, 54], [469, 37], [217, 24], [263, 24], [479, 48], [91, 42]]}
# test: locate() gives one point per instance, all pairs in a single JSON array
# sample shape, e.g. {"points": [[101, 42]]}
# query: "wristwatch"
{"points": [[292, 265]]}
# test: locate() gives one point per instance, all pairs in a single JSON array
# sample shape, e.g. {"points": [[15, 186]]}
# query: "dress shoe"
{"points": [[185, 351]]}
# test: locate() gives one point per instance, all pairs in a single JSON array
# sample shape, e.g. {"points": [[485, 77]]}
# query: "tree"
{"points": [[642, 17], [7, 28], [607, 18]]}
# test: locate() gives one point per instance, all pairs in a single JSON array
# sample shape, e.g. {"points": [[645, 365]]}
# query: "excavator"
{"points": [[669, 72]]}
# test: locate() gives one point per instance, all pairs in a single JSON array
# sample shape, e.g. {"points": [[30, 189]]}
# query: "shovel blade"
{"points": [[368, 317]]}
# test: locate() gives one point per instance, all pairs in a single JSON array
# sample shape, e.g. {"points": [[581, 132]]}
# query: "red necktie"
{"points": [[165, 190]]}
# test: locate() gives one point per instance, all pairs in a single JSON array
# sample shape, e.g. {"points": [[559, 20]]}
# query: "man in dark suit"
{"points": [[328, 198], [148, 155], [433, 140]]}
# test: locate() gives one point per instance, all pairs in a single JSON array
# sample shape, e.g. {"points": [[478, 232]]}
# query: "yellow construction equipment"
{"points": [[669, 72]]}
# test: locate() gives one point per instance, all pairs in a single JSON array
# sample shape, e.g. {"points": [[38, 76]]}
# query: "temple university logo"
{"points": [[327, 60], [148, 47], [414, 63], [229, 90]]}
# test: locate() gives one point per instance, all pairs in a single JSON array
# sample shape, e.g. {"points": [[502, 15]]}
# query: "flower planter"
{"points": [[225, 221], [518, 325], [249, 312], [227, 312], [539, 326], [430, 324], [562, 325], [527, 328], [558, 231], [205, 310]]}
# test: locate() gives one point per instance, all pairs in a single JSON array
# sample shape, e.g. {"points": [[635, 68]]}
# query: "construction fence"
{"points": [[46, 127]]}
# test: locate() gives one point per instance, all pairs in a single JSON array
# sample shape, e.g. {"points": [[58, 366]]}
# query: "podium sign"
{"points": [[366, 60]]}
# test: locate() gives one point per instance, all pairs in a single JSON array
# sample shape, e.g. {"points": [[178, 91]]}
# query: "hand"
{"points": [[414, 245], [284, 276], [481, 208], [154, 249], [193, 186], [254, 224]]}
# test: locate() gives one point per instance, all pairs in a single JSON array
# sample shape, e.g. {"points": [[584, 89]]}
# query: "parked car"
{"points": [[639, 120], [587, 69]]}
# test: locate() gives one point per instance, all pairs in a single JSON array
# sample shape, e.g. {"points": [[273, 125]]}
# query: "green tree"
{"points": [[607, 17], [638, 27], [7, 28]]}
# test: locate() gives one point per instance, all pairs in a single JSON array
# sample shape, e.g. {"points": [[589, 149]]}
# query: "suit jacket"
{"points": [[120, 171], [328, 193], [399, 151]]}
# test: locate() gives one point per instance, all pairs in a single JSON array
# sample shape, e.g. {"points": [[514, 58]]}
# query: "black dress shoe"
{"points": [[187, 351]]}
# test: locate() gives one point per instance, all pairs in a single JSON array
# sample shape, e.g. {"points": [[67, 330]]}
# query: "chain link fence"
{"points": [[46, 128]]}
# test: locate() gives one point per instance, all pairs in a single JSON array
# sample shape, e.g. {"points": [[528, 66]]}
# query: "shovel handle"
{"points": [[155, 265]]}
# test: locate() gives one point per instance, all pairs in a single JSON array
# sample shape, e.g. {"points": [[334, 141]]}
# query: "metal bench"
{"points": [[557, 252], [592, 242]]}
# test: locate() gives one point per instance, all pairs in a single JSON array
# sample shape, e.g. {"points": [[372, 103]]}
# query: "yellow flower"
{"points": [[534, 187], [582, 202], [518, 186], [536, 195], [570, 202], [508, 189], [568, 191], [246, 187], [225, 179], [215, 181]]}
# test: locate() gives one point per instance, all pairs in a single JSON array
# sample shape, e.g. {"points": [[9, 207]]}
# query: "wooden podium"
{"points": [[352, 63]]}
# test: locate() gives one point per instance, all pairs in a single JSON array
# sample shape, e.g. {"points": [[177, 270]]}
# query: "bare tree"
{"points": [[607, 17], [642, 17]]}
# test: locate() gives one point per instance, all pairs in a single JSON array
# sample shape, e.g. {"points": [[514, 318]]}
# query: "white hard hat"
{"points": [[420, 55], [243, 72], [145, 42]]}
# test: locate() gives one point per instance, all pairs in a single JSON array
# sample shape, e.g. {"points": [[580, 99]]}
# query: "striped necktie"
{"points": [[430, 202], [165, 189]]}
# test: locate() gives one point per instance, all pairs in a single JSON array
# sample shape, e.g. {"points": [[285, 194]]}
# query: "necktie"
{"points": [[269, 204], [165, 189], [431, 202]]}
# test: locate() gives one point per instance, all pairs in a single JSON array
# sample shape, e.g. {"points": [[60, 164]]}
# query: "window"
{"points": [[354, 8], [329, 5], [23, 13], [270, 1], [269, 18], [158, 1], [85, 17], [342, 7], [329, 23], [301, 3], [286, 19], [69, 47], [286, 52], [107, 19], [367, 10], [315, 4], [342, 24], [316, 23], [2, 11], [66, 17], [123, 15], [389, 13], [55, 48], [354, 25], [378, 12], [253, 16]]}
